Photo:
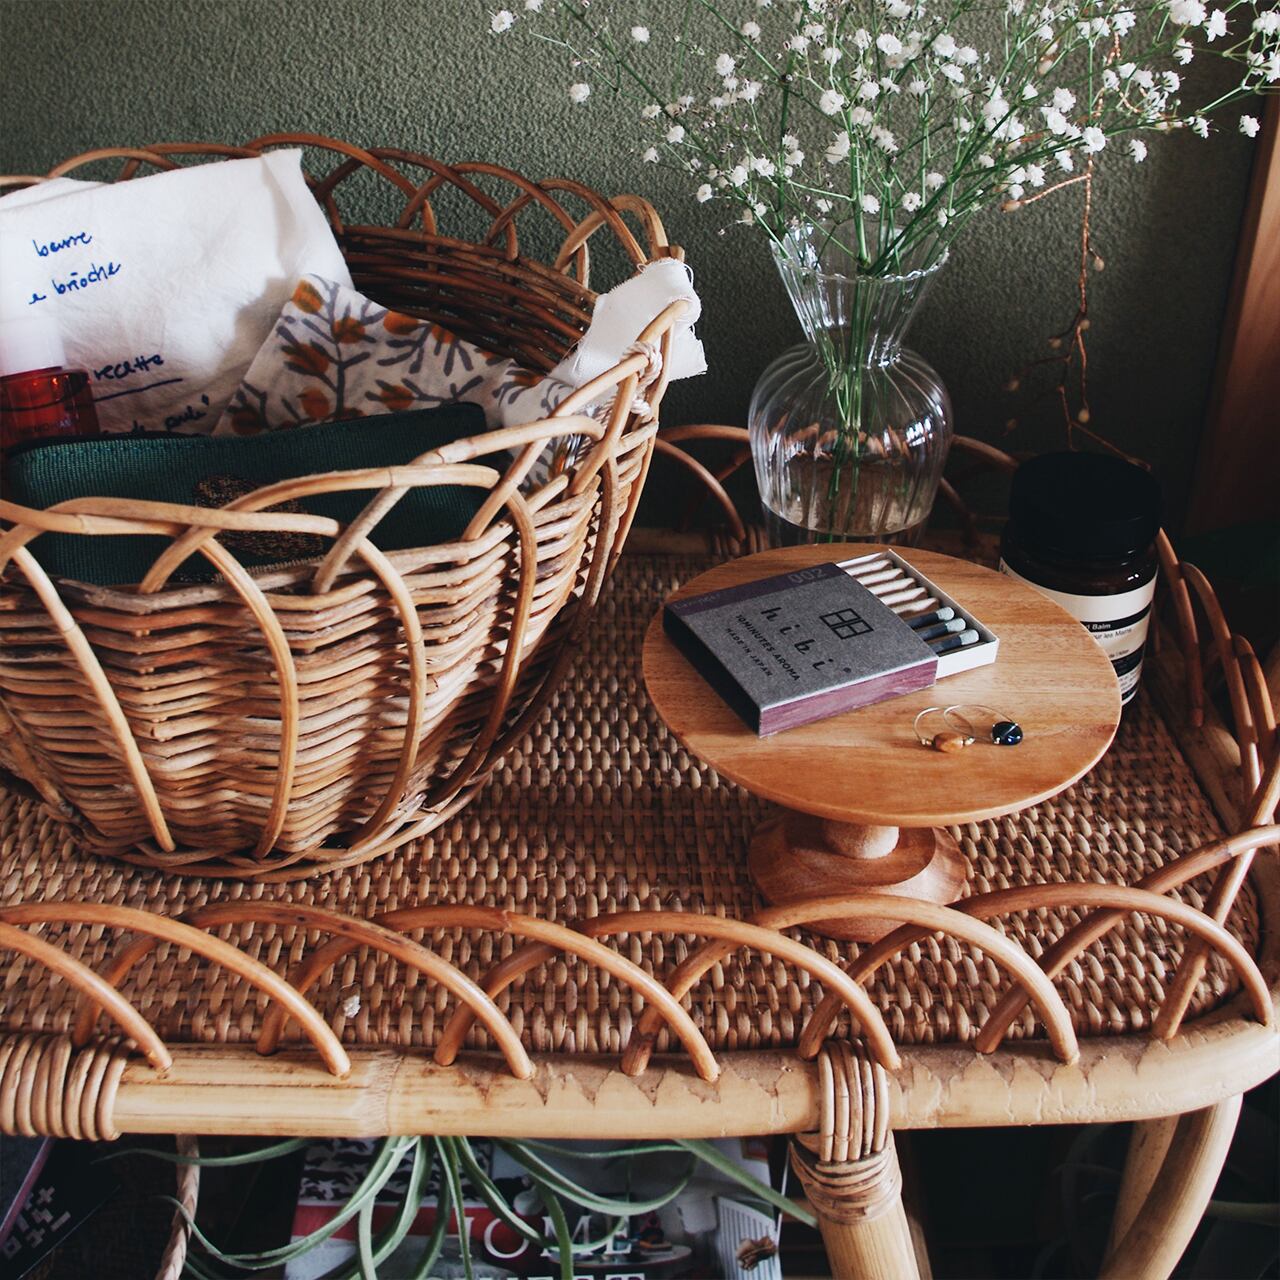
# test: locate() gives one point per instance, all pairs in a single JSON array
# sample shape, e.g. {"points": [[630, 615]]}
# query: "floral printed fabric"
{"points": [[335, 354]]}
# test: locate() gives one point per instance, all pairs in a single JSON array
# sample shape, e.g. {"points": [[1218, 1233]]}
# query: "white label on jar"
{"points": [[1118, 623]]}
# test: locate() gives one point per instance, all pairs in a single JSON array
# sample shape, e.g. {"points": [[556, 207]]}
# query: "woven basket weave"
{"points": [[275, 724]]}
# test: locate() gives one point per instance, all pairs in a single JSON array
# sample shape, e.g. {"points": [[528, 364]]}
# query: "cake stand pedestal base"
{"points": [[795, 857]]}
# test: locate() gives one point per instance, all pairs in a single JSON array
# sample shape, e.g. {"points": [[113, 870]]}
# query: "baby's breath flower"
{"points": [[911, 201], [533, 6], [1249, 126], [1186, 13], [751, 30], [675, 134], [831, 55], [917, 88], [888, 44], [1138, 150], [725, 65], [1093, 140], [870, 204], [831, 101], [579, 92], [651, 111], [839, 148], [703, 193], [650, 156], [640, 35], [933, 181], [501, 21], [944, 45]]}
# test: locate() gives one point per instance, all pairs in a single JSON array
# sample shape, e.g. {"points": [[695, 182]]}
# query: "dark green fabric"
{"points": [[170, 469]]}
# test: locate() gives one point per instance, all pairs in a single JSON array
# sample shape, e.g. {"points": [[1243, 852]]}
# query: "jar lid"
{"points": [[1090, 505]]}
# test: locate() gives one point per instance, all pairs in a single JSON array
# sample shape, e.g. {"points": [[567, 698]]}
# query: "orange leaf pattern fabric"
{"points": [[336, 354]]}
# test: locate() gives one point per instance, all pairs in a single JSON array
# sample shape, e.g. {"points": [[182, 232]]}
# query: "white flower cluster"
{"points": [[905, 117]]}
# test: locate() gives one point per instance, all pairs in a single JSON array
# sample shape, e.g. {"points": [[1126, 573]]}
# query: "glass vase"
{"points": [[850, 429]]}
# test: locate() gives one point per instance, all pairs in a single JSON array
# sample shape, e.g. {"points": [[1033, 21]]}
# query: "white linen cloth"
{"points": [[165, 287]]}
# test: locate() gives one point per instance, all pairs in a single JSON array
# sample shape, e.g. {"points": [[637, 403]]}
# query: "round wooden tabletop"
{"points": [[866, 765]]}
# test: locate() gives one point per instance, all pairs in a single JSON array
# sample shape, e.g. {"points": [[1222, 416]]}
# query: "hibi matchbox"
{"points": [[798, 647]]}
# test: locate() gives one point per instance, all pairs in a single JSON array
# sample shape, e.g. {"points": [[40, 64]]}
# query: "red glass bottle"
{"points": [[40, 399]]}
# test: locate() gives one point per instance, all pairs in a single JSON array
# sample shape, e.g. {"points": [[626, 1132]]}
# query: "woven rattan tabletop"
{"points": [[601, 809]]}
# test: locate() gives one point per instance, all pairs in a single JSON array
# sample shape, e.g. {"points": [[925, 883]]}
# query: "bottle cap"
{"points": [[30, 342], [29, 335], [1089, 506]]}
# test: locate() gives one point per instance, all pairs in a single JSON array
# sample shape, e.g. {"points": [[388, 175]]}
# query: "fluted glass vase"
{"points": [[849, 430]]}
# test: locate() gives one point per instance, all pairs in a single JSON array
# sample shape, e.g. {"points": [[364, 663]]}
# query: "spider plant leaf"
{"points": [[384, 1164], [449, 1162], [391, 1238], [364, 1243], [490, 1194], [585, 1199], [272, 1152], [721, 1163], [612, 1153], [564, 1240], [444, 1206]]}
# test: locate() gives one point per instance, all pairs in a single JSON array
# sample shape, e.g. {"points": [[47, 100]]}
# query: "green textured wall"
{"points": [[426, 75]]}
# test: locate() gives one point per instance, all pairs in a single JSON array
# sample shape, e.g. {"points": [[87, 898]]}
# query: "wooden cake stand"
{"points": [[863, 801]]}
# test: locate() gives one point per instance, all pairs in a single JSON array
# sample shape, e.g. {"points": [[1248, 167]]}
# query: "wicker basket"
{"points": [[273, 724]]}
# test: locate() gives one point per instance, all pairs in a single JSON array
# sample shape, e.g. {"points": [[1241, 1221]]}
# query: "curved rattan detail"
{"points": [[1096, 925], [84, 980], [735, 933], [352, 932], [525, 572], [549, 938], [162, 928], [922, 918], [1119, 900]]}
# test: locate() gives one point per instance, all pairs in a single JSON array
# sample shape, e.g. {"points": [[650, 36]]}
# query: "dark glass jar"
{"points": [[1082, 530]]}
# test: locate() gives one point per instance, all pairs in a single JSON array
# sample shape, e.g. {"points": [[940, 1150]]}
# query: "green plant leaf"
{"points": [[273, 1152], [571, 1191], [705, 1152], [490, 1194], [384, 1164], [444, 1206], [449, 1162], [564, 1241]]}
